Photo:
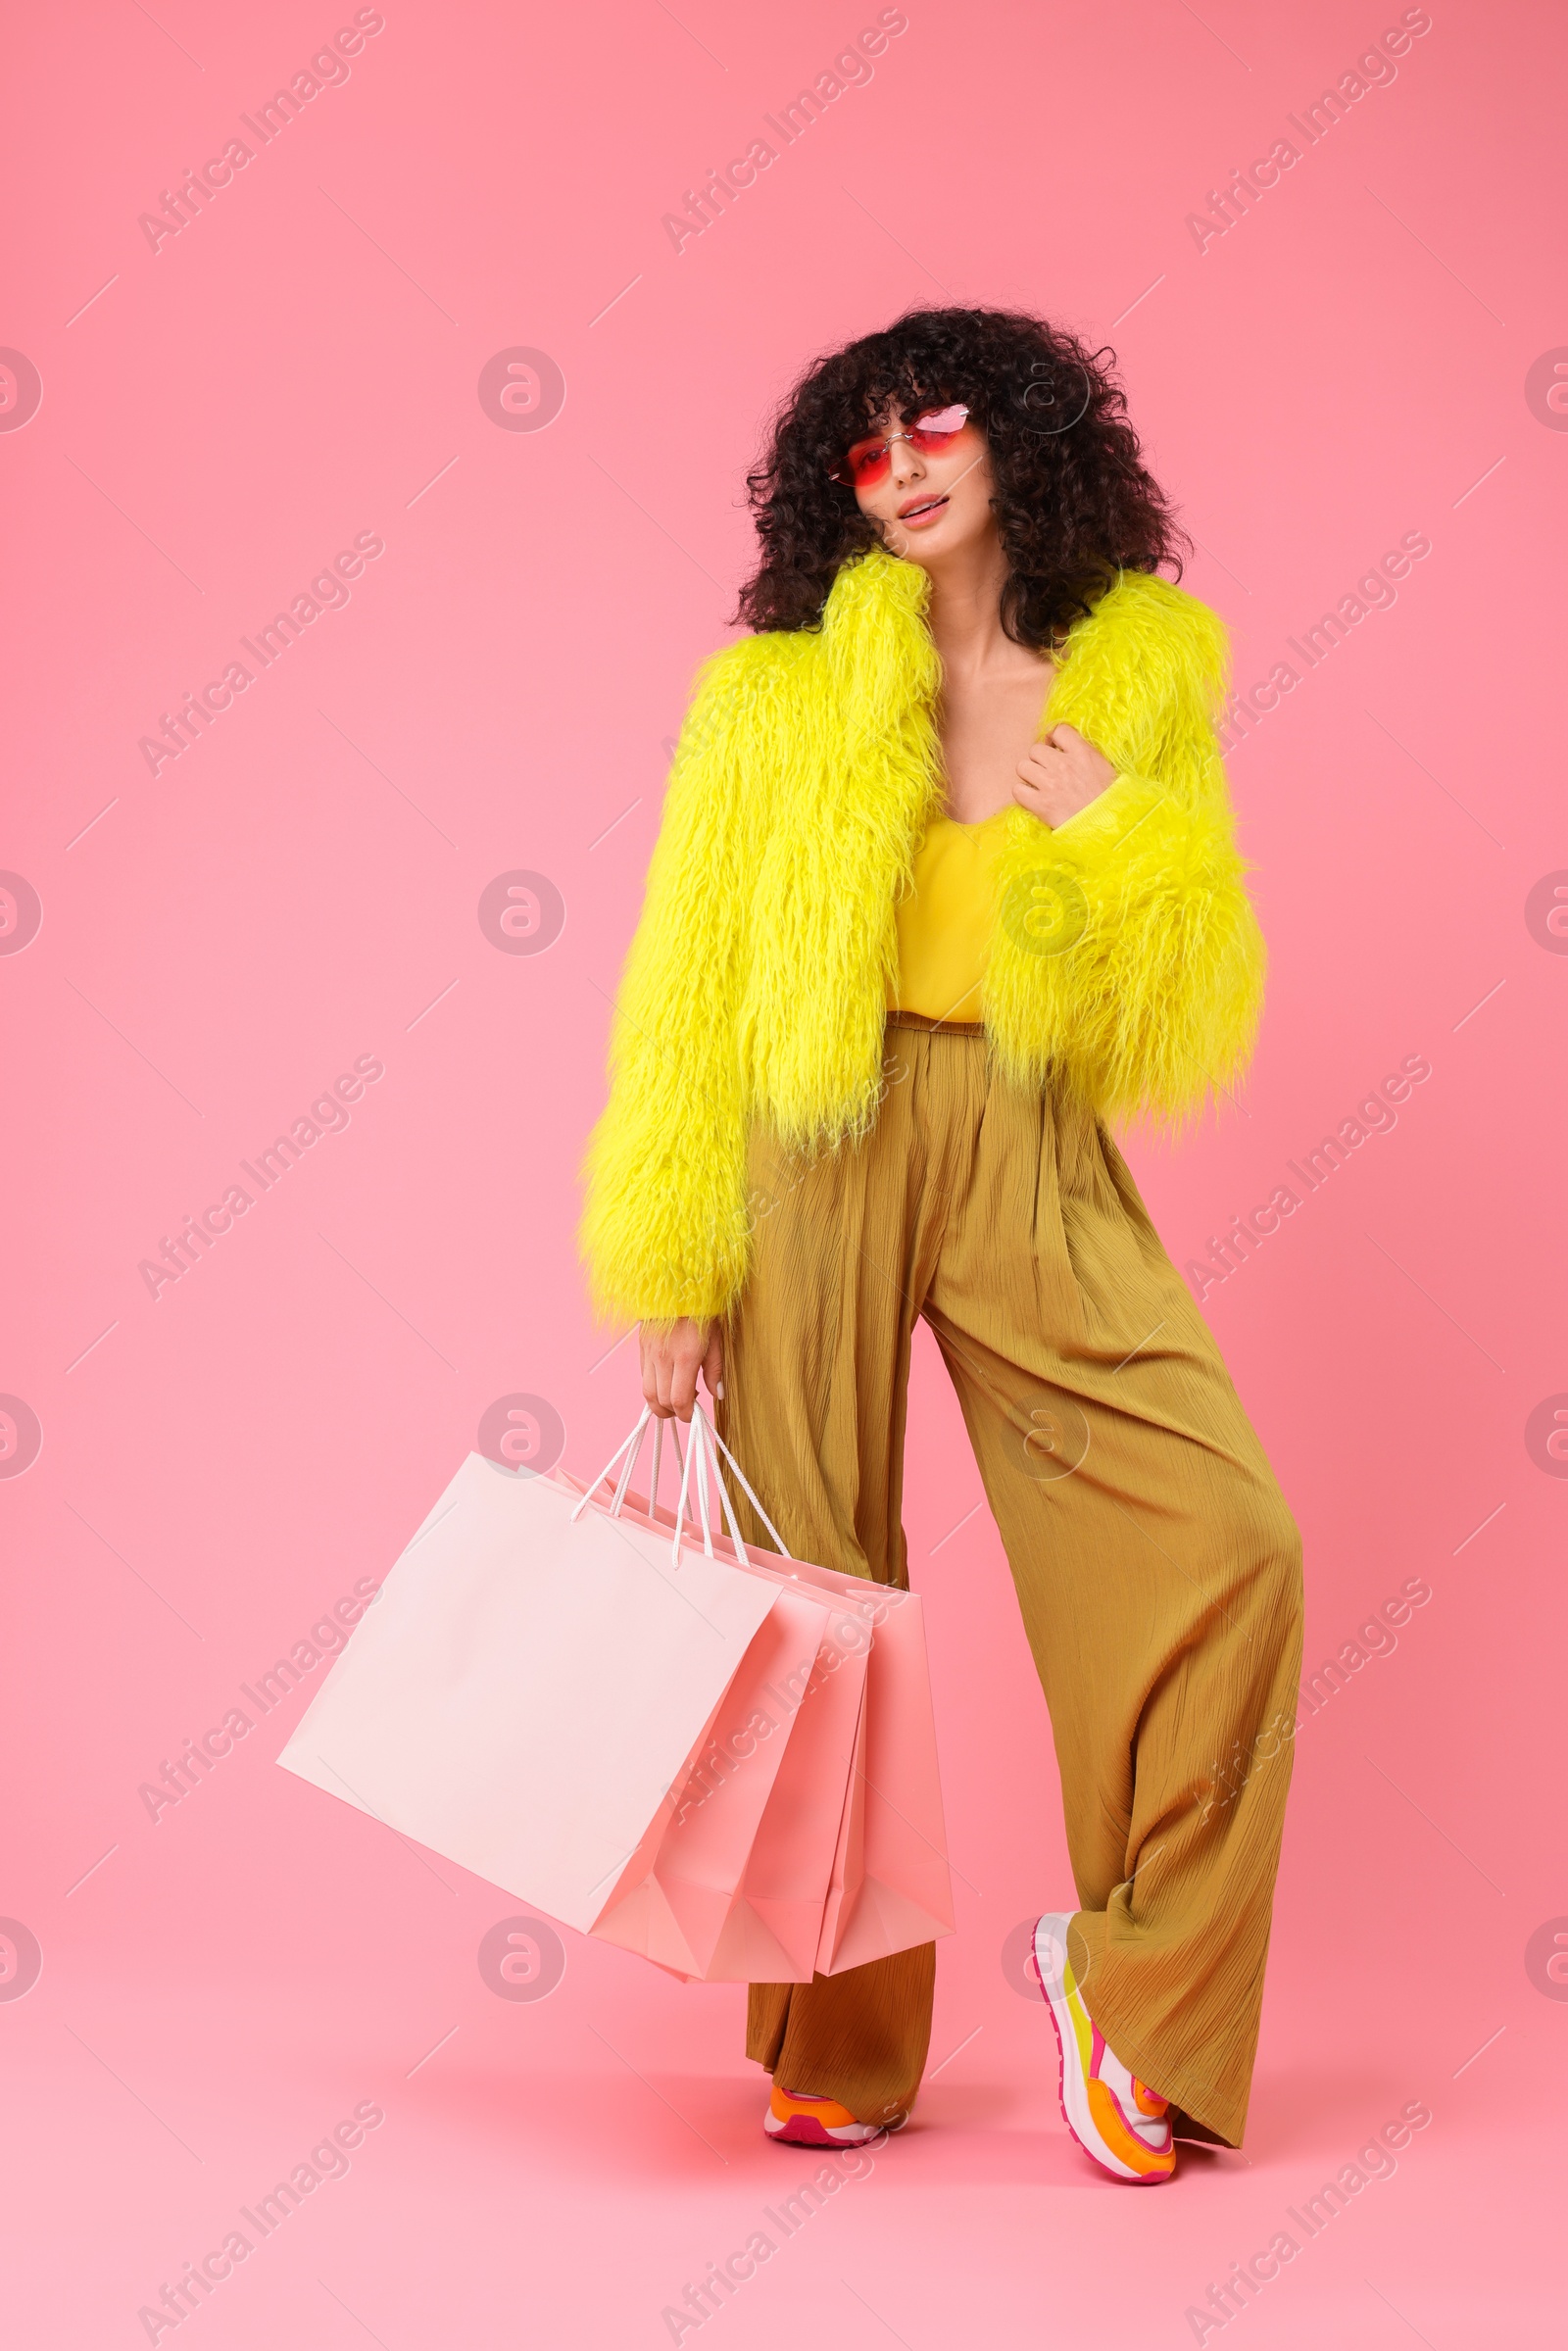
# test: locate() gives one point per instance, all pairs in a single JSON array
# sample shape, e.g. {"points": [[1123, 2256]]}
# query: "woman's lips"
{"points": [[916, 518]]}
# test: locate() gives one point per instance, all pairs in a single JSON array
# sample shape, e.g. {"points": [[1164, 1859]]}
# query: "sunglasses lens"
{"points": [[864, 466], [937, 426]]}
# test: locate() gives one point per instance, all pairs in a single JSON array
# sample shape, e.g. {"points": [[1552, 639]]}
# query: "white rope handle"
{"points": [[735, 1535], [627, 1453], [699, 1459], [707, 1436], [701, 1456], [631, 1443], [744, 1483]]}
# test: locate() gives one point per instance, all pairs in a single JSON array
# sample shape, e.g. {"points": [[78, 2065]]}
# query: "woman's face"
{"points": [[932, 502]]}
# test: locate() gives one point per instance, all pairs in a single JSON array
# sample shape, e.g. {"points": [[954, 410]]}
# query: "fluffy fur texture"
{"points": [[1126, 960]]}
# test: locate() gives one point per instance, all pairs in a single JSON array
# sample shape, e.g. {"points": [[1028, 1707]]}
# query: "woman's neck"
{"points": [[964, 612]]}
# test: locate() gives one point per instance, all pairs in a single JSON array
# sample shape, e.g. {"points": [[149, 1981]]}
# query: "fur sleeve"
{"points": [[1127, 952], [664, 1231]]}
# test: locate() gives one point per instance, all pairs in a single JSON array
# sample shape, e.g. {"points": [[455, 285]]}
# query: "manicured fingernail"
{"points": [[719, 1391]]}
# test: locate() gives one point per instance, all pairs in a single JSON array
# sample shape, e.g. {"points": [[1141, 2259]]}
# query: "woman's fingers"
{"points": [[670, 1363], [688, 1354], [650, 1378], [656, 1372], [713, 1361]]}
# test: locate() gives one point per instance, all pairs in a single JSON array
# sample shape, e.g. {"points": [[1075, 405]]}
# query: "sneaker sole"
{"points": [[805, 2130]]}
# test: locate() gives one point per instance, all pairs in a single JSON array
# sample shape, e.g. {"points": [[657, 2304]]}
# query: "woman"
{"points": [[946, 882]]}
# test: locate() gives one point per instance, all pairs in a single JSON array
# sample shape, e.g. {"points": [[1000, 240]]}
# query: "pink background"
{"points": [[1346, 363]]}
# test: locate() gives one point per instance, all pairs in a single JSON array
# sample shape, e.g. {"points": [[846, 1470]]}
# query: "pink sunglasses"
{"points": [[866, 463]]}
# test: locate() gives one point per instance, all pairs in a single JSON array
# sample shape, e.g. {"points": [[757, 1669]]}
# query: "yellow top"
{"points": [[944, 922]]}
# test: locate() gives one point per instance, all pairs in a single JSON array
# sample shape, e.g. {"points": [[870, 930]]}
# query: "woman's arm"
{"points": [[1127, 951], [664, 1231]]}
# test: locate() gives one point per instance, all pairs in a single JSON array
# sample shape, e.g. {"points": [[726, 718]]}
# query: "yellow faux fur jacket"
{"points": [[1125, 959]]}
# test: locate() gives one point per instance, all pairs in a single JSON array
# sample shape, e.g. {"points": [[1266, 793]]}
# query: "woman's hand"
{"points": [[671, 1360], [1060, 774]]}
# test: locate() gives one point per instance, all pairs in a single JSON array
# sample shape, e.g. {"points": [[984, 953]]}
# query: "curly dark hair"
{"points": [[1075, 502]]}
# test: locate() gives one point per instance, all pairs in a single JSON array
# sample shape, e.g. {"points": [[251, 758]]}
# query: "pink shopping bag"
{"points": [[747, 1843], [685, 1898], [529, 1687], [887, 1883], [790, 1870], [890, 1883]]}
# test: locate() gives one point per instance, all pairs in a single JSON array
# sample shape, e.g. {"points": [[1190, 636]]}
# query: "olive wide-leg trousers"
{"points": [[1157, 1568]]}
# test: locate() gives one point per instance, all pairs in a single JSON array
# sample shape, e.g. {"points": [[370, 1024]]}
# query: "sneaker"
{"points": [[1114, 2116], [798, 2119]]}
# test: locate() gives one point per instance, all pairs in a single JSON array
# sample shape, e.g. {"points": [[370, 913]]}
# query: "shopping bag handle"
{"points": [[746, 1487], [705, 1437], [691, 1500], [627, 1453], [692, 1503]]}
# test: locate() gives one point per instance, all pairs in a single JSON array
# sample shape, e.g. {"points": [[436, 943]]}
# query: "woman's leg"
{"points": [[816, 1370], [1158, 1573], [860, 2037], [1156, 1565]]}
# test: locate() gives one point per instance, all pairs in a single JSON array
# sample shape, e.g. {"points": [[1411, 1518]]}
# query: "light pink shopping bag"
{"points": [[870, 1777], [703, 1895], [763, 1800], [890, 1883], [789, 1876], [527, 1689], [684, 1900]]}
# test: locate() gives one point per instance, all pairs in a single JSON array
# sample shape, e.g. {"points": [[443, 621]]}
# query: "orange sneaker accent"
{"points": [[799, 2120], [1111, 2124], [828, 2112]]}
